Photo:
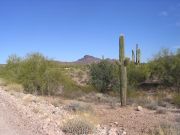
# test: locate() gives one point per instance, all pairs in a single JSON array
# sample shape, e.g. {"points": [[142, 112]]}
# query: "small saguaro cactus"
{"points": [[123, 72], [138, 55], [133, 56]]}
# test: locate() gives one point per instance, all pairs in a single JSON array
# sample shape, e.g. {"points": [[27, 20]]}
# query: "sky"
{"points": [[66, 30]]}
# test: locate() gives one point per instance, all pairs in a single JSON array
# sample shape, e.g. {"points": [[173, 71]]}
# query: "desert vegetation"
{"points": [[154, 85], [37, 74]]}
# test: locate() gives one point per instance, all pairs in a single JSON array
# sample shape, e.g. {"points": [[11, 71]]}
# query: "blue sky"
{"points": [[68, 29]]}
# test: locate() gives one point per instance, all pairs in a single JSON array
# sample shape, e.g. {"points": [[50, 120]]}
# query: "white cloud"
{"points": [[163, 13]]}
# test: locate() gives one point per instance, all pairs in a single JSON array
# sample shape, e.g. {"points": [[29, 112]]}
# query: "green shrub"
{"points": [[104, 76], [37, 74], [3, 82], [166, 67], [137, 73]]}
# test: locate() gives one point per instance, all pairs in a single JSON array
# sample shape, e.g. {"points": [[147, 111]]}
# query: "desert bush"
{"points": [[104, 76], [144, 101], [161, 111], [79, 107], [11, 70], [166, 129], [137, 74], [153, 105], [37, 74], [176, 100], [133, 92], [163, 103], [166, 67], [78, 126]]}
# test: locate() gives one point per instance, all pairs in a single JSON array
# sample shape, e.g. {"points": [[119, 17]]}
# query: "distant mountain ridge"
{"points": [[88, 59]]}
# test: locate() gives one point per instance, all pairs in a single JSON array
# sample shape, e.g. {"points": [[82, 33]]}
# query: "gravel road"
{"points": [[9, 122]]}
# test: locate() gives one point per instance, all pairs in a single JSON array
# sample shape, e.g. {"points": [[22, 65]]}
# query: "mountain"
{"points": [[87, 59]]}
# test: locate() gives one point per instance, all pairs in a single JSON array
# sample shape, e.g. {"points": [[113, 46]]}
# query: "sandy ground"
{"points": [[135, 122], [24, 114]]}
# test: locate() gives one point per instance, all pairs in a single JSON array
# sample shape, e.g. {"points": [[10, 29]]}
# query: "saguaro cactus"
{"points": [[123, 72], [133, 56], [138, 55]]}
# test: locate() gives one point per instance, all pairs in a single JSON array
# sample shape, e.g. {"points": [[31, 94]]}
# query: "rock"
{"points": [[124, 133], [116, 123], [112, 131], [139, 108], [101, 130]]}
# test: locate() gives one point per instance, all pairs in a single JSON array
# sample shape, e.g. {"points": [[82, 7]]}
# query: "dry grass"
{"points": [[79, 107], [146, 102], [14, 87], [30, 98], [178, 120], [3, 82], [56, 102], [152, 105], [166, 129], [161, 111]]}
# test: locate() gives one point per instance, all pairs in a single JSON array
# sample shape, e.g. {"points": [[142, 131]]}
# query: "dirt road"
{"points": [[12, 122], [22, 114], [9, 122], [5, 126]]}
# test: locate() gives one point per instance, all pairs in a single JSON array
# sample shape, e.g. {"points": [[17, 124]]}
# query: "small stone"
{"points": [[124, 133], [98, 126], [116, 123], [112, 131], [139, 108]]}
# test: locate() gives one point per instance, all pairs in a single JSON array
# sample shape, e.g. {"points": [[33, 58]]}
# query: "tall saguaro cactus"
{"points": [[123, 72]]}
